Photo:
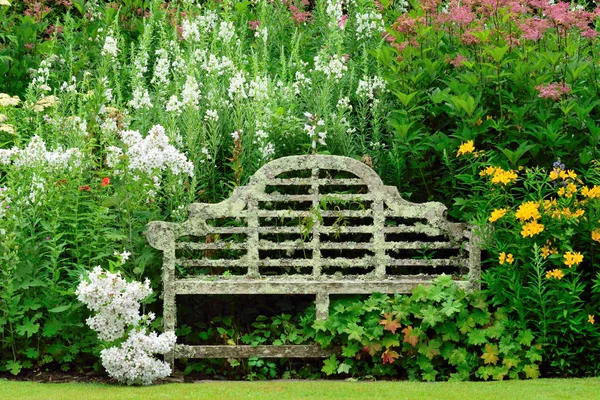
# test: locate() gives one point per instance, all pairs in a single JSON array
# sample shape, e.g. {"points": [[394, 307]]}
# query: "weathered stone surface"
{"points": [[313, 233]]}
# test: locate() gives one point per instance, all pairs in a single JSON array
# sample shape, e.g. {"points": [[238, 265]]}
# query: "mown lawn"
{"points": [[580, 389]]}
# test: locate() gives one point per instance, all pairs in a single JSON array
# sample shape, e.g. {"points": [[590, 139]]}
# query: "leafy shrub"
{"points": [[439, 332], [541, 229]]}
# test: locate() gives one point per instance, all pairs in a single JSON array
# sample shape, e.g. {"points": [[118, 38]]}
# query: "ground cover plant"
{"points": [[114, 114]]}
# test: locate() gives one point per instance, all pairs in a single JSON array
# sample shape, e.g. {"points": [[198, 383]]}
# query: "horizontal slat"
{"points": [[420, 245], [425, 263], [424, 229], [243, 285], [302, 213], [243, 351], [280, 262], [310, 181], [364, 262], [210, 246], [310, 197]]}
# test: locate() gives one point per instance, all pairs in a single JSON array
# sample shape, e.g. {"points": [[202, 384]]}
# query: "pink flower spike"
{"points": [[342, 22]]}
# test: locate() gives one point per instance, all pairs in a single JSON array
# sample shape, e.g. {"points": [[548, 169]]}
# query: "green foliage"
{"points": [[447, 334]]}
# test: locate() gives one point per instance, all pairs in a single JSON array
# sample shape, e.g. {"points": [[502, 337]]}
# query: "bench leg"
{"points": [[169, 319]]}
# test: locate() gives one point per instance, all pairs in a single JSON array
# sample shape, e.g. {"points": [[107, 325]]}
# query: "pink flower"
{"points": [[533, 28], [342, 22], [553, 90], [468, 38], [458, 60], [461, 15], [589, 33], [300, 17], [254, 24], [388, 37], [405, 24]]}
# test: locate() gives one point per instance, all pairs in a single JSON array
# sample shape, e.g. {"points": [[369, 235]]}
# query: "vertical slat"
{"points": [[169, 299], [316, 239], [379, 236], [252, 252]]}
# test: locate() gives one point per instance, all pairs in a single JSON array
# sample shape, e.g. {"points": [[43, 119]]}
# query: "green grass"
{"points": [[580, 389]]}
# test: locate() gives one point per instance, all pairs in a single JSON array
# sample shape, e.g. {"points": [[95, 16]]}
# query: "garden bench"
{"points": [[314, 224]]}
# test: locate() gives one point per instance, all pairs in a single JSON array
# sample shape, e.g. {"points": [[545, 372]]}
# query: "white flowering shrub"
{"points": [[153, 153], [116, 304]]}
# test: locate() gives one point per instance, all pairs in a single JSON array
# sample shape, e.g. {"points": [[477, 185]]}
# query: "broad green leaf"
{"points": [[14, 367], [350, 349], [532, 371], [330, 365]]}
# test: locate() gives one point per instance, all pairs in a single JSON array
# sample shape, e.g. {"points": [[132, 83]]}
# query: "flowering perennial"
{"points": [[153, 153], [117, 306]]}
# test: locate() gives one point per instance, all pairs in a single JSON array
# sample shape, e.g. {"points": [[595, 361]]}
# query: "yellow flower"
{"points": [[497, 214], [591, 319], [528, 210], [555, 273], [532, 228], [571, 174], [467, 147], [572, 258], [596, 235], [553, 175], [592, 193], [504, 177], [488, 171], [545, 251], [505, 258]]}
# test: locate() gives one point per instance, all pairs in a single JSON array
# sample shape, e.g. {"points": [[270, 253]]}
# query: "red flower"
{"points": [[85, 187], [61, 182], [105, 181]]}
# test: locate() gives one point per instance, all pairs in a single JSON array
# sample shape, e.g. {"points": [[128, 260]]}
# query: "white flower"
{"points": [[236, 135], [161, 69], [110, 47], [141, 98], [35, 155], [332, 68], [173, 105], [113, 156], [133, 362], [301, 82], [154, 153], [368, 24], [262, 33], [367, 88], [211, 115], [226, 31], [190, 96], [214, 64], [236, 86], [258, 88], [117, 306], [116, 302]]}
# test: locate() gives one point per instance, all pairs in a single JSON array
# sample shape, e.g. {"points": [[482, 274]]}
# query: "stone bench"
{"points": [[317, 225]]}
